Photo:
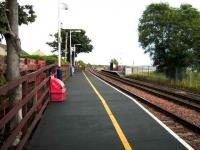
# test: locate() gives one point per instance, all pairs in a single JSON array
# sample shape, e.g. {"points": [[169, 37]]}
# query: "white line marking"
{"points": [[150, 114]]}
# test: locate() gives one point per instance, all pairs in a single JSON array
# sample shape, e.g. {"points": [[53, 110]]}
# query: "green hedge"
{"points": [[51, 59]]}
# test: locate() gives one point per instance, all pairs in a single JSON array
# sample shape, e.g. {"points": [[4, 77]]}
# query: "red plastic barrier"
{"points": [[57, 89]]}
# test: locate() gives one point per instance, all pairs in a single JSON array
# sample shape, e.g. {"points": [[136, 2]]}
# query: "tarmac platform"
{"points": [[104, 119]]}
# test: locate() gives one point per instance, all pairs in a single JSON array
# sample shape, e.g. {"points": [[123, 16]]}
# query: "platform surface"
{"points": [[81, 122]]}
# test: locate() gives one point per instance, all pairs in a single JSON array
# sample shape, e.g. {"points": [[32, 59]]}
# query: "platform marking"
{"points": [[150, 114], [112, 117]]}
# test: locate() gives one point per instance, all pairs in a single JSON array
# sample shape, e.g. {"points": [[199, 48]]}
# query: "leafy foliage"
{"points": [[51, 59], [76, 37], [113, 64], [114, 61], [26, 15], [81, 65], [3, 20], [171, 36], [160, 79]]}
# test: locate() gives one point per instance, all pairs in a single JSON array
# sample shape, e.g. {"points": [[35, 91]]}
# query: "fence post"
{"points": [[142, 70], [190, 78], [176, 76], [25, 107], [35, 95]]}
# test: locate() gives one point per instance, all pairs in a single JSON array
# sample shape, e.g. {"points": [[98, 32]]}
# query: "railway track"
{"points": [[184, 126], [178, 96]]}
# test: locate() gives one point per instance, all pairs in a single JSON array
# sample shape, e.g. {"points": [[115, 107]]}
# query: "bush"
{"points": [[51, 59], [81, 65], [64, 62], [160, 79]]}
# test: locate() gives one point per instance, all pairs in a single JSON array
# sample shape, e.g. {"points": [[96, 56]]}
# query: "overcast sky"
{"points": [[110, 24]]}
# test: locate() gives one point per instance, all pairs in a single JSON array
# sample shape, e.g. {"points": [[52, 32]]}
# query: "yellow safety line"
{"points": [[112, 117]]}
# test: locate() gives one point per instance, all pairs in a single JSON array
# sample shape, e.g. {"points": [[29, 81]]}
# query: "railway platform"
{"points": [[98, 117]]}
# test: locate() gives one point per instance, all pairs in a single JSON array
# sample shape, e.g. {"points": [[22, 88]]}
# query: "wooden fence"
{"points": [[35, 97]]}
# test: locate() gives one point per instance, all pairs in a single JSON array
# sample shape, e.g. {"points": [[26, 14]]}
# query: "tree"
{"points": [[114, 61], [113, 64], [81, 65], [12, 15], [171, 37], [26, 15], [76, 37]]}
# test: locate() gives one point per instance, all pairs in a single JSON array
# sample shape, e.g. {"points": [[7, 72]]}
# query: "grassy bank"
{"points": [[190, 82]]}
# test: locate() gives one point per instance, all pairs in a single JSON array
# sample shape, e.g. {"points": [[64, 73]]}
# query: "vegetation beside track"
{"points": [[192, 85]]}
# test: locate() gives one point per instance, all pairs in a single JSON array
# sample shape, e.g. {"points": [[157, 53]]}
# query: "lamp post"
{"points": [[75, 53], [59, 71], [70, 48], [66, 46]]}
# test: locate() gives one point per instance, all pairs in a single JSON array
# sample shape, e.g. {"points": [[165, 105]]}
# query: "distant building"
{"points": [[38, 52], [3, 51]]}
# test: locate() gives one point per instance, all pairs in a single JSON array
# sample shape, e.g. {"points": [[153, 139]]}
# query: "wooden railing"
{"points": [[35, 97]]}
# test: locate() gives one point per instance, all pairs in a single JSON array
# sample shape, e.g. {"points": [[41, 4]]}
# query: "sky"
{"points": [[110, 24]]}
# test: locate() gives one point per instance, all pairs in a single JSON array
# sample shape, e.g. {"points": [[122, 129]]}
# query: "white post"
{"points": [[70, 51], [66, 46], [74, 54], [59, 36], [70, 47]]}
